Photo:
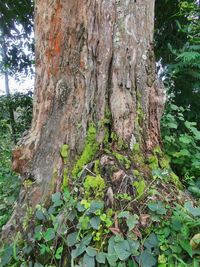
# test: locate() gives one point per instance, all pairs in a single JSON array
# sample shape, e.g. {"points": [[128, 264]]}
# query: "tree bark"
{"points": [[94, 66]]}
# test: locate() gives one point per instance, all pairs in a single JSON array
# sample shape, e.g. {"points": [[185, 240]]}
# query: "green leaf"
{"points": [[122, 250], [111, 244], [118, 238], [80, 248], [95, 206], [157, 207], [176, 225], [186, 246], [112, 259], [121, 264], [87, 239], [151, 241], [91, 251], [140, 187], [132, 221], [49, 234], [172, 125], [64, 151], [37, 264], [40, 215], [134, 246], [194, 211], [51, 210], [147, 259], [38, 236], [173, 107], [95, 222], [38, 232], [88, 261], [123, 214], [101, 257], [59, 253], [84, 222], [56, 198], [44, 249], [80, 207], [185, 139], [72, 239], [6, 255]]}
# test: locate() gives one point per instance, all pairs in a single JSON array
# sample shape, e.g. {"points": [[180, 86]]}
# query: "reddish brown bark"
{"points": [[90, 56]]}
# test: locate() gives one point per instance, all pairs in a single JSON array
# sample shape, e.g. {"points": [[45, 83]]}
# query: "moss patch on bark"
{"points": [[90, 150]]}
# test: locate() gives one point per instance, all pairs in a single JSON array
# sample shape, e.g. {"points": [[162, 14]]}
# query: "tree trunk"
{"points": [[96, 88]]}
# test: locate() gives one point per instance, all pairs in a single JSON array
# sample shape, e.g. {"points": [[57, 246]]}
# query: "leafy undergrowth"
{"points": [[9, 182], [11, 129], [182, 144], [92, 223]]}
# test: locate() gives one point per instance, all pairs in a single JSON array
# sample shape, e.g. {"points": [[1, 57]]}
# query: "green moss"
{"points": [[160, 161], [106, 137], [155, 159], [153, 162], [27, 217], [27, 183], [53, 179], [136, 148], [136, 173], [164, 162], [121, 144], [137, 156], [97, 167], [140, 187], [64, 152], [157, 150], [94, 186], [65, 179], [123, 160], [105, 124], [91, 148], [175, 179]]}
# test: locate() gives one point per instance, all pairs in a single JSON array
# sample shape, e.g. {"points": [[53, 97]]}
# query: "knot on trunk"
{"points": [[20, 158]]}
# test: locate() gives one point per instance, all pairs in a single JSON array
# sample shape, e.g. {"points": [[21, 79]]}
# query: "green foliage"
{"points": [[90, 239], [21, 105], [78, 229], [175, 236], [16, 30], [9, 181], [178, 51], [181, 142], [94, 186], [123, 160]]}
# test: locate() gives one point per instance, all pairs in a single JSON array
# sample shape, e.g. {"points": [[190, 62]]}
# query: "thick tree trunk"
{"points": [[94, 69]]}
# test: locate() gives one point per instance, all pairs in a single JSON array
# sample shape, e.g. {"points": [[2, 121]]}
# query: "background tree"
{"points": [[177, 48], [16, 39], [16, 36]]}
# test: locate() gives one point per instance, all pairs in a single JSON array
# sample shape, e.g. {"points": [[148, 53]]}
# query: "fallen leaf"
{"points": [[144, 219]]}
